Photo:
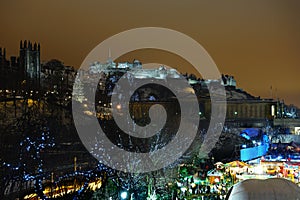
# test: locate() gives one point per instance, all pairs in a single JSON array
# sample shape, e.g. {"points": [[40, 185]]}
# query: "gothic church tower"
{"points": [[30, 62]]}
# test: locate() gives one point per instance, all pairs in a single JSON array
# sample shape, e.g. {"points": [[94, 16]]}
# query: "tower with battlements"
{"points": [[29, 60]]}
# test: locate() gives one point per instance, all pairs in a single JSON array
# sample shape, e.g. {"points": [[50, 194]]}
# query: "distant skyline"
{"points": [[258, 42]]}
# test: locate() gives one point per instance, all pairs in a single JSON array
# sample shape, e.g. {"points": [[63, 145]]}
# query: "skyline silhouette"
{"points": [[256, 42]]}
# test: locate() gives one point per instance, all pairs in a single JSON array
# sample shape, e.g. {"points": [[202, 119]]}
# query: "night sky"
{"points": [[258, 42]]}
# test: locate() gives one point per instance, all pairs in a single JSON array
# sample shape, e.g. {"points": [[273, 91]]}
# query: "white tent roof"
{"points": [[256, 189]]}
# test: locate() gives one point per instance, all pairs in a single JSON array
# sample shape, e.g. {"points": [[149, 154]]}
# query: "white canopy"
{"points": [[256, 189]]}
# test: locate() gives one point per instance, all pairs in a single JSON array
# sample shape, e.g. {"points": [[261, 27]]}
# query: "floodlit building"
{"points": [[26, 67]]}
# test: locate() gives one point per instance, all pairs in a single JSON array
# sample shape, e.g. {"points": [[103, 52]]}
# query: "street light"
{"points": [[235, 116], [119, 106], [124, 195]]}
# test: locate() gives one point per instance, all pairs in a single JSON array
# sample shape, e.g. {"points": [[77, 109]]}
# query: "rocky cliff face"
{"points": [[227, 146]]}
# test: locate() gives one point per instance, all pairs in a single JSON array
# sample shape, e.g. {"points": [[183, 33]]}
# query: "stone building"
{"points": [[245, 112], [22, 70], [29, 58]]}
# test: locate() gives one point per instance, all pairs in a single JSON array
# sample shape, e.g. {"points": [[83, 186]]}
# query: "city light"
{"points": [[119, 106], [204, 177], [124, 194]]}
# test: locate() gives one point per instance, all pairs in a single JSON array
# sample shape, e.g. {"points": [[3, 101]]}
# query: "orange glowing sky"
{"points": [[256, 41]]}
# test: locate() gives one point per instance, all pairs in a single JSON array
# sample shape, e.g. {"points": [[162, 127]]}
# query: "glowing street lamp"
{"points": [[119, 106], [124, 195]]}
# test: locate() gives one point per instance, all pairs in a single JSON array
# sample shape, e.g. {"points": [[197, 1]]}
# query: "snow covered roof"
{"points": [[214, 172]]}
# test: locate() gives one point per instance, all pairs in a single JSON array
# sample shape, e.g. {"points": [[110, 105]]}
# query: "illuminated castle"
{"points": [[135, 69]]}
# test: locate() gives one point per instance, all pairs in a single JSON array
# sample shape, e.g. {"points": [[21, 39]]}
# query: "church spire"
{"points": [[29, 45]]}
